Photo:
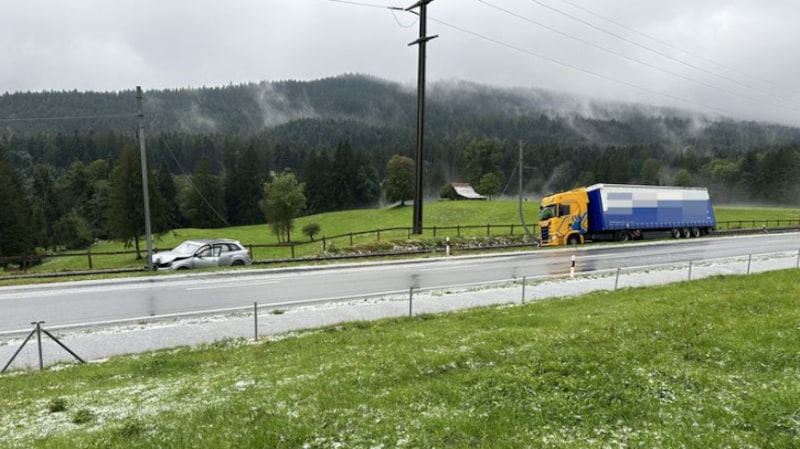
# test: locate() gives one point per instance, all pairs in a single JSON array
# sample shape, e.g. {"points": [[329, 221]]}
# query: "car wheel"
{"points": [[182, 268], [237, 263]]}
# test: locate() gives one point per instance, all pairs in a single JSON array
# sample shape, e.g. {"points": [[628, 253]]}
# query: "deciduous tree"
{"points": [[283, 201], [399, 184]]}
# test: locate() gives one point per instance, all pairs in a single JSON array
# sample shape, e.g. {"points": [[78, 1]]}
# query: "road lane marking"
{"points": [[244, 284]]}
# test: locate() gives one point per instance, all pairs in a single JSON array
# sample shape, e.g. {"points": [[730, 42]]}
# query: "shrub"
{"points": [[310, 230], [83, 416], [57, 405]]}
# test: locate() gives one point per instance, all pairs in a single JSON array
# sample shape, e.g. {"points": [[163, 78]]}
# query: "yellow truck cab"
{"points": [[563, 218]]}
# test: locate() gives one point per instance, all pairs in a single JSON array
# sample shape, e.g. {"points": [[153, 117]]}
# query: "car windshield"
{"points": [[186, 248], [547, 212]]}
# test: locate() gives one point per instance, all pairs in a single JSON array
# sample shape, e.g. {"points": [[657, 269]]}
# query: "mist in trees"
{"points": [[68, 183]]}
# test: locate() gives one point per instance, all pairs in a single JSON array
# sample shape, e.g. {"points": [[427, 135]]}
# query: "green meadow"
{"points": [[436, 214], [713, 363]]}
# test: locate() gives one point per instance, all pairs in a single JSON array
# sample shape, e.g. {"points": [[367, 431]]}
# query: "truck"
{"points": [[624, 212]]}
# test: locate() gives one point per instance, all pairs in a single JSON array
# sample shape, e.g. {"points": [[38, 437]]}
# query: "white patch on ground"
{"points": [[137, 403], [277, 323]]}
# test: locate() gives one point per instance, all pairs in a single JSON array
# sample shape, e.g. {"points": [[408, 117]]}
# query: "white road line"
{"points": [[243, 284], [453, 267]]}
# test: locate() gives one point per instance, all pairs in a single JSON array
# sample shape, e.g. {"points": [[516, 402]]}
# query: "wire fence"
{"points": [[257, 321], [264, 253]]}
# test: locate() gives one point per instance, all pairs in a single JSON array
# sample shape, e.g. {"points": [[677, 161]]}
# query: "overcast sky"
{"points": [[731, 57]]}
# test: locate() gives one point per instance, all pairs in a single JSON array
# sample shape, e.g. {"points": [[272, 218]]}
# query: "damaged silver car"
{"points": [[206, 253]]}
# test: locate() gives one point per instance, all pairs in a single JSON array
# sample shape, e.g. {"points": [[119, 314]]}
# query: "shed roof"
{"points": [[465, 190]]}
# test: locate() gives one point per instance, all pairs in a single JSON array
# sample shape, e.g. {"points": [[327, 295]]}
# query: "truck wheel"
{"points": [[696, 232], [676, 233], [573, 240], [686, 233], [622, 236]]}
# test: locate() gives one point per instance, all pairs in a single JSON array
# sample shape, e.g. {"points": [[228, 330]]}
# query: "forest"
{"points": [[70, 172]]}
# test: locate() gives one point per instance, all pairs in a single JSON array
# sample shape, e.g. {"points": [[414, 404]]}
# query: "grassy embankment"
{"points": [[442, 213], [710, 363]]}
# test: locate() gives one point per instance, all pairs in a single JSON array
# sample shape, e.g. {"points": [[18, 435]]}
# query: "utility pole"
{"points": [[145, 189], [521, 214], [421, 41]]}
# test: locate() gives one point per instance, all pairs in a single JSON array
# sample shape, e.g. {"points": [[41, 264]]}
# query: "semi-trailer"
{"points": [[624, 212]]}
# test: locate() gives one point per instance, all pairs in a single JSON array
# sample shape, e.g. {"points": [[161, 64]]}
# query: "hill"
{"points": [[212, 149], [288, 110]]}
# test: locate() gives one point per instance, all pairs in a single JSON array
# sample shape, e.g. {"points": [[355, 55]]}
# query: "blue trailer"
{"points": [[623, 212]]}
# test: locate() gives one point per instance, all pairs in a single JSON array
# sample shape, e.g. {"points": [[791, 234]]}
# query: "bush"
{"points": [[73, 231], [310, 230], [83, 416], [57, 405]]}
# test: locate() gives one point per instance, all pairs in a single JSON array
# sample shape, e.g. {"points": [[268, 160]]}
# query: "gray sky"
{"points": [[742, 58]]}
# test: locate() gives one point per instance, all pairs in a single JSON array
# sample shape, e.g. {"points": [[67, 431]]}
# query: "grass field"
{"points": [[441, 213], [704, 364]]}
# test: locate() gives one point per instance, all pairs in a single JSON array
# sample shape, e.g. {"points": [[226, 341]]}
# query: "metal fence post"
{"points": [[89, 256], [798, 259], [749, 259], [616, 282], [690, 270], [524, 281], [39, 341], [255, 320], [410, 302]]}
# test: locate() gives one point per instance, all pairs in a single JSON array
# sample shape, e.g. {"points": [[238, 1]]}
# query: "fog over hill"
{"points": [[530, 114]]}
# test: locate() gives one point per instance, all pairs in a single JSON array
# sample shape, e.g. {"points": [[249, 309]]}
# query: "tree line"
{"points": [[51, 206], [347, 142]]}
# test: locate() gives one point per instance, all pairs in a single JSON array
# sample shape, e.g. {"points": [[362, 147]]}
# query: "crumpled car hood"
{"points": [[168, 256]]}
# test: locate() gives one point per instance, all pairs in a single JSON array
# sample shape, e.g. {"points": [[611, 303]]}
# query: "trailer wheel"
{"points": [[676, 233], [622, 236], [696, 232], [686, 233]]}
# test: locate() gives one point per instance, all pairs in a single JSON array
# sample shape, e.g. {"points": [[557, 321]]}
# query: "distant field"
{"points": [[440, 213], [704, 364]]}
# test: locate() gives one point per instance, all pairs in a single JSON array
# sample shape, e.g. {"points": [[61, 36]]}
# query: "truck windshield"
{"points": [[547, 212]]}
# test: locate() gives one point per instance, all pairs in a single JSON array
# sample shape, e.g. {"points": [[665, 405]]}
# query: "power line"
{"points": [[638, 61], [661, 53], [66, 117], [580, 69], [562, 63], [191, 184], [673, 47]]}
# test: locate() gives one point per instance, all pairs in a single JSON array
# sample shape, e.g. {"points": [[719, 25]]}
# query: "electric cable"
{"points": [[638, 61], [586, 71], [65, 117], [191, 184], [660, 53], [676, 48]]}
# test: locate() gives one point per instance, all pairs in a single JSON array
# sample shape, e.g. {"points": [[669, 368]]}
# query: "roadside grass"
{"points": [[437, 214], [709, 363]]}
